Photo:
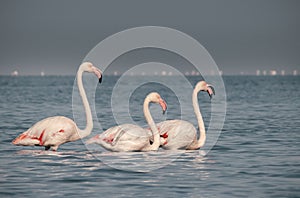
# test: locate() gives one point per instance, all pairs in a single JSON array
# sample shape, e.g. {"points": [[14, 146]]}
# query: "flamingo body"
{"points": [[180, 134], [53, 131], [125, 137], [129, 137], [49, 132], [177, 134]]}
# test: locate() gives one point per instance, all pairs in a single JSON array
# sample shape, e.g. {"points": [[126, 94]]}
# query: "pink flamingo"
{"points": [[180, 134], [129, 137], [53, 131]]}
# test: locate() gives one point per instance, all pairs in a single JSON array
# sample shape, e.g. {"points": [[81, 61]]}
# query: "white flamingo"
{"points": [[129, 137], [180, 134], [53, 131]]}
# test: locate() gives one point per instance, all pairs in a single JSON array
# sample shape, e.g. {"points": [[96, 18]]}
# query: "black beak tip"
{"points": [[100, 79], [164, 111], [212, 92]]}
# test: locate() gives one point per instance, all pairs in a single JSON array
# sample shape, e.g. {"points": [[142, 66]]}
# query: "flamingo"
{"points": [[181, 134], [129, 137], [51, 132]]}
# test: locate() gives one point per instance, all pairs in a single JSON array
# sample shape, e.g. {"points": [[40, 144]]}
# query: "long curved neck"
{"points": [[88, 114], [202, 137], [156, 137]]}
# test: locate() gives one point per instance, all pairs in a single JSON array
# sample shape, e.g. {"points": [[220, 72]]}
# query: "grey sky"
{"points": [[54, 36]]}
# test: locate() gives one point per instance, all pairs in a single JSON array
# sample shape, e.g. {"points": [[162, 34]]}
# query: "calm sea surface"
{"points": [[257, 153]]}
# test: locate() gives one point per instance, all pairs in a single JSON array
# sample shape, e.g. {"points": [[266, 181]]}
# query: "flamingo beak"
{"points": [[163, 105], [98, 73], [210, 90]]}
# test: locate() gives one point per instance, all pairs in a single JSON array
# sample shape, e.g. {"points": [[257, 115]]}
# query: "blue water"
{"points": [[257, 153]]}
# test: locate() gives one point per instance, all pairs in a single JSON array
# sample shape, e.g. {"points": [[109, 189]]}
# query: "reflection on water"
{"points": [[124, 161], [143, 161]]}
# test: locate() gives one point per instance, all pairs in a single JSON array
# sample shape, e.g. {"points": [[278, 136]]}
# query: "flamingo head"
{"points": [[210, 90], [89, 67], [156, 98], [203, 86]]}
